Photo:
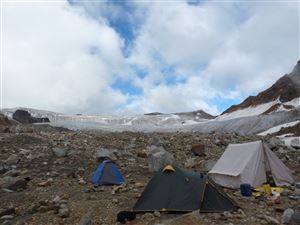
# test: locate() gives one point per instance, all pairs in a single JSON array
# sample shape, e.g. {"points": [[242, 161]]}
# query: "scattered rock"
{"points": [[156, 214], [63, 211], [12, 159], [13, 183], [198, 150], [4, 168], [295, 218], [148, 217], [190, 219], [142, 154], [159, 158], [9, 211], [45, 183], [275, 143], [59, 152], [190, 163], [287, 216], [295, 143], [7, 217], [105, 154], [86, 219], [271, 220]]}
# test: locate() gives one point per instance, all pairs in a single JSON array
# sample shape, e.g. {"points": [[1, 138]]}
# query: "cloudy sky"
{"points": [[112, 57]]}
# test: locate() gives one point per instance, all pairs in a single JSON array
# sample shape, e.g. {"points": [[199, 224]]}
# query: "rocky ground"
{"points": [[45, 173]]}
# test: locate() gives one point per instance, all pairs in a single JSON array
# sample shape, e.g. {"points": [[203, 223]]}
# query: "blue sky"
{"points": [[113, 57]]}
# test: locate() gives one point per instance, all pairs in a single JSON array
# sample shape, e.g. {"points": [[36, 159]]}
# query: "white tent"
{"points": [[248, 163]]}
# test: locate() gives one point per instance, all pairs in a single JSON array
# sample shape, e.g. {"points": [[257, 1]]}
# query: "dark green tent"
{"points": [[178, 190]]}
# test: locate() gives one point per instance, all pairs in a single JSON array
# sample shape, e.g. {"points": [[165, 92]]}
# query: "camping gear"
{"points": [[246, 190], [248, 163], [174, 189], [267, 189], [107, 173]]}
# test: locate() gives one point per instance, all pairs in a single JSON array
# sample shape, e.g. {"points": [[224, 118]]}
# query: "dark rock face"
{"points": [[23, 116], [286, 89], [4, 120]]}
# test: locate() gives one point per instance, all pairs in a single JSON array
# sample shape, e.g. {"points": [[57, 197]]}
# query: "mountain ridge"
{"points": [[285, 89]]}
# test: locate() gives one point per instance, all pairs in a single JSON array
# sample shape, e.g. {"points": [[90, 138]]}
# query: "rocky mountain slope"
{"points": [[283, 95]]}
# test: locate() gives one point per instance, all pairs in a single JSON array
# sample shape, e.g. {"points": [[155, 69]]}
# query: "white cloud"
{"points": [[47, 60], [230, 55], [215, 50]]}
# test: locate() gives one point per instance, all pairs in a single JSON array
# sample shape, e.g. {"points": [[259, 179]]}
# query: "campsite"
{"points": [[150, 112], [58, 166]]}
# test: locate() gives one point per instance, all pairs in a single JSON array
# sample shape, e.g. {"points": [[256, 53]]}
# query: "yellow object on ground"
{"points": [[267, 190]]}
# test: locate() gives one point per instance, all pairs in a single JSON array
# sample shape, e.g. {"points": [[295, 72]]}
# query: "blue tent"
{"points": [[107, 173]]}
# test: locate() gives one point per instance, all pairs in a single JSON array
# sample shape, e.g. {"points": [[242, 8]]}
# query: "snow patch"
{"points": [[250, 111], [278, 128], [287, 140], [295, 102]]}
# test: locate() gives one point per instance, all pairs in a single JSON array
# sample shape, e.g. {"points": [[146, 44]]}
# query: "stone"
{"points": [[199, 150], [156, 214], [295, 143], [142, 154], [63, 211], [59, 152], [105, 154], [271, 220], [56, 200], [148, 217], [287, 216], [9, 211], [187, 219], [208, 165], [45, 183], [86, 219], [7, 217], [159, 158], [4, 168], [13, 183], [275, 143], [296, 218], [6, 222], [138, 185], [12, 159], [190, 163], [115, 200]]}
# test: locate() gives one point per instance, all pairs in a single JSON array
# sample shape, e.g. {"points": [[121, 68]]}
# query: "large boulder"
{"points": [[59, 152], [3, 168], [86, 219], [275, 143], [25, 117], [4, 121], [13, 183], [287, 216], [106, 154], [5, 124], [295, 143], [198, 150], [159, 158]]}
